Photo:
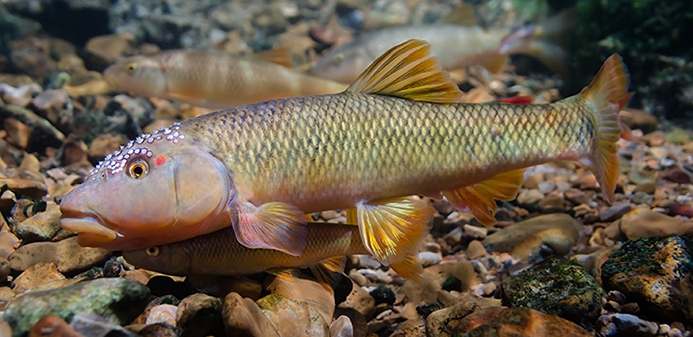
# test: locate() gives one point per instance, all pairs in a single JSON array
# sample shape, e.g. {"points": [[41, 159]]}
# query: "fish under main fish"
{"points": [[396, 132], [213, 79], [456, 46], [219, 253]]}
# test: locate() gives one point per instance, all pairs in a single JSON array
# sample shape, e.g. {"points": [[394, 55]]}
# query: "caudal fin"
{"points": [[605, 97]]}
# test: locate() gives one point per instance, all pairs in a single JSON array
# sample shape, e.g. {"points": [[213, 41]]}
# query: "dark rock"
{"points": [[119, 301], [614, 212], [160, 330], [452, 283], [655, 273], [556, 287], [516, 322], [426, 309], [383, 294], [625, 325], [200, 315]]}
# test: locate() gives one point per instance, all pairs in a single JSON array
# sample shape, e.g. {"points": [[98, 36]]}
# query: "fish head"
{"points": [[518, 39], [158, 189], [343, 64], [141, 74], [171, 259]]}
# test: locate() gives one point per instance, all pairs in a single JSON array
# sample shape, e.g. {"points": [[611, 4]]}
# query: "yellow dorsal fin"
{"points": [[280, 56], [462, 15], [408, 71], [479, 198]]}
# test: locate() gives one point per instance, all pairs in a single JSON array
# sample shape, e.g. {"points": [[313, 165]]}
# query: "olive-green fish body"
{"points": [[219, 253]]}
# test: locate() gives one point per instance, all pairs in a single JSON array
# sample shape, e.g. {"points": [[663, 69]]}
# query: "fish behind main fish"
{"points": [[212, 79], [219, 253], [455, 46], [396, 132]]}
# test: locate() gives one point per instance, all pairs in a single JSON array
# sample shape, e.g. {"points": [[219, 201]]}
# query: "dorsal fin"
{"points": [[408, 71], [280, 56], [462, 15]]}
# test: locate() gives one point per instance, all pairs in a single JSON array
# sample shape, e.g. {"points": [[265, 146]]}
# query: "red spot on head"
{"points": [[160, 160]]}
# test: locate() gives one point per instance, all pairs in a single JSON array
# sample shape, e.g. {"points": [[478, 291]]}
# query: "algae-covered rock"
{"points": [[656, 273], [556, 287], [117, 300]]}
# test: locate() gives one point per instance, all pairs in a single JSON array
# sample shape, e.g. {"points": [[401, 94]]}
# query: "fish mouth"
{"points": [[91, 229]]}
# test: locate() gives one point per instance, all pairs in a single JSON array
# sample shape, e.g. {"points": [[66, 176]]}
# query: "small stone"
{"points": [[342, 327], [516, 322], [90, 324], [428, 259], [18, 134], [524, 240], [642, 222], [163, 313], [642, 198], [20, 96], [476, 250], [357, 277], [383, 294], [677, 175], [329, 215], [648, 187], [104, 145], [639, 119], [119, 301], [576, 196], [40, 227], [476, 231], [625, 325], [35, 276], [67, 254], [532, 182], [527, 197], [360, 300], [32, 57], [614, 212], [56, 326], [102, 51], [199, 315], [654, 139], [681, 209], [552, 203], [656, 273], [556, 287]]}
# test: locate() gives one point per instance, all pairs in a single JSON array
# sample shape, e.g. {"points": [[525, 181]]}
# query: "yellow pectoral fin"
{"points": [[410, 267], [352, 217], [408, 71], [479, 198], [274, 225], [393, 228]]}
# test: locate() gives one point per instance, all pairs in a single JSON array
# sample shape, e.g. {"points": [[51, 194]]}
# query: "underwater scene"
{"points": [[346, 168]]}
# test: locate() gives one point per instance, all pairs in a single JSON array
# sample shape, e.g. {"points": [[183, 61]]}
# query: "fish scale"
{"points": [[366, 144]]}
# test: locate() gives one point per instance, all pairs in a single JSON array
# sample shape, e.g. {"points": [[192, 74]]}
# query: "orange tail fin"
{"points": [[606, 96]]}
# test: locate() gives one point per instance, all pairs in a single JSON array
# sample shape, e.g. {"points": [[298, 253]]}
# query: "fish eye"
{"points": [[152, 251], [131, 68], [338, 59], [138, 169]]}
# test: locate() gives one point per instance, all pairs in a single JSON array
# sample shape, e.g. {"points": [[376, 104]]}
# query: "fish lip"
{"points": [[87, 222]]}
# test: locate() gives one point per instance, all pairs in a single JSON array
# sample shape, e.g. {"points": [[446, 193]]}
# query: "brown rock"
{"points": [[476, 250], [614, 212], [642, 222], [576, 196], [18, 134], [53, 326], [67, 254], [639, 119], [516, 322], [36, 275], [104, 145], [677, 175], [40, 227], [681, 209], [524, 239], [293, 318], [105, 50], [162, 313], [444, 322], [74, 152], [360, 300], [199, 315], [32, 57], [242, 317], [307, 291], [51, 104]]}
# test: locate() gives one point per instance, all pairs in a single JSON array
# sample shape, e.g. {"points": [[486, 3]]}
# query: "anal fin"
{"points": [[392, 230], [274, 225], [479, 198]]}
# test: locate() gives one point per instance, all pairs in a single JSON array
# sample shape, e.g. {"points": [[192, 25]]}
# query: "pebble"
{"points": [[67, 254], [102, 51], [20, 96], [428, 259], [642, 222], [524, 240], [614, 212], [516, 322], [361, 301], [658, 272], [476, 250], [527, 197], [119, 301], [476, 231], [40, 227], [625, 325]]}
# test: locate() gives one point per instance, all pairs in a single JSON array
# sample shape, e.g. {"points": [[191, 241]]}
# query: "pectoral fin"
{"points": [[393, 229], [328, 272], [479, 198], [274, 225]]}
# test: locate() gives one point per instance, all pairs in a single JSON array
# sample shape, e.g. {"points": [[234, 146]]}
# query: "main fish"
{"points": [[219, 253], [455, 46], [213, 79], [395, 132]]}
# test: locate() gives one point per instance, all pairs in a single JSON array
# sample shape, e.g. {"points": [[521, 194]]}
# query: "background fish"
{"points": [[219, 253], [456, 46], [394, 133], [212, 79]]}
